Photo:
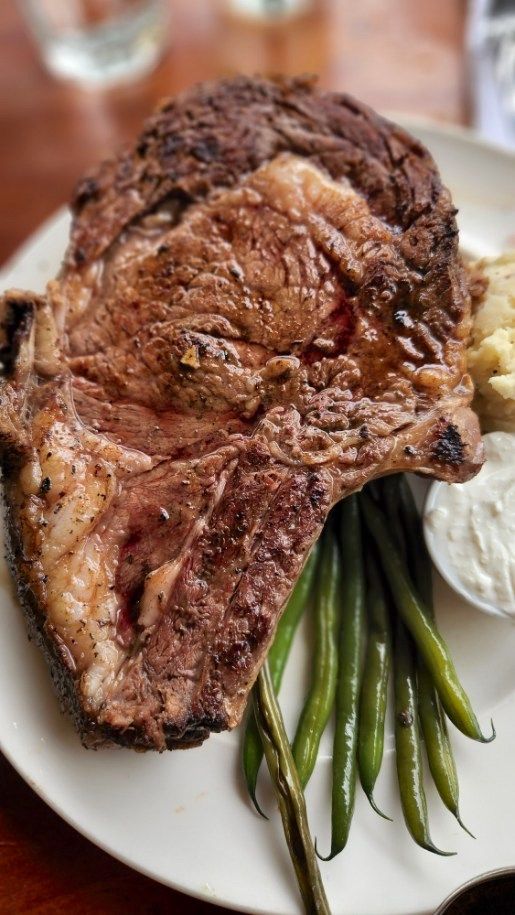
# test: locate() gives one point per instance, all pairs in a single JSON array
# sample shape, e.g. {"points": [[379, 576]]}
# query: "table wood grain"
{"points": [[400, 56]]}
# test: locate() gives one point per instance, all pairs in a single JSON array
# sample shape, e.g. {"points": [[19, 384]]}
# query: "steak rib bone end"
{"points": [[261, 308]]}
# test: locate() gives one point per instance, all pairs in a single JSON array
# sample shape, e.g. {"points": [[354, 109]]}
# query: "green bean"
{"points": [[438, 746], [374, 488], [350, 656], [434, 726], [419, 559], [277, 657], [320, 698], [406, 528], [407, 742], [289, 794], [372, 709], [390, 499], [429, 642]]}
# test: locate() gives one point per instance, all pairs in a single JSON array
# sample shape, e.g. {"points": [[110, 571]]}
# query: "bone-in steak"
{"points": [[261, 308]]}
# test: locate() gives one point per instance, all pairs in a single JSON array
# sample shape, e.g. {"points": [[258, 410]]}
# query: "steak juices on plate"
{"points": [[261, 308]]}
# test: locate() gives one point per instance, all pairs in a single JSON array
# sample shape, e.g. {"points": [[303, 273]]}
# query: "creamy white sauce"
{"points": [[472, 526]]}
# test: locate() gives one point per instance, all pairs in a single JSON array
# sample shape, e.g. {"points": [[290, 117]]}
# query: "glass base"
{"points": [[113, 52], [269, 10]]}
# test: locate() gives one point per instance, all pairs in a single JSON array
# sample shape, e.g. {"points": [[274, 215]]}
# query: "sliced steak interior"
{"points": [[261, 308]]}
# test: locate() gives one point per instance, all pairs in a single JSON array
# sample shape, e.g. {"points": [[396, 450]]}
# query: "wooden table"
{"points": [[399, 56]]}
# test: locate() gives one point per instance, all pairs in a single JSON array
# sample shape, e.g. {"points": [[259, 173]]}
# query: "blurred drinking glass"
{"points": [[98, 41], [269, 10]]}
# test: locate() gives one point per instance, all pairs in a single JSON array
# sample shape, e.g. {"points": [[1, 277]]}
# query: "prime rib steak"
{"points": [[261, 308]]}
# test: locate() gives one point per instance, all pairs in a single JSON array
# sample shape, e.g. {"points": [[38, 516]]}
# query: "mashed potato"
{"points": [[491, 355]]}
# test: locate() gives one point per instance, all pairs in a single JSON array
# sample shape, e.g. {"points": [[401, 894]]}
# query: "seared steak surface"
{"points": [[261, 308]]}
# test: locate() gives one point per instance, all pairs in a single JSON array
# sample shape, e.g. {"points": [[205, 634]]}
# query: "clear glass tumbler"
{"points": [[98, 41]]}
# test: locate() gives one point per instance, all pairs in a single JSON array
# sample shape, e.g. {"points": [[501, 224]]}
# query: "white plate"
{"points": [[183, 818]]}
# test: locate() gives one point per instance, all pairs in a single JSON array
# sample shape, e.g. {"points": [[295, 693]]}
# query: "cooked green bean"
{"points": [[320, 698], [419, 559], [428, 640], [407, 742], [350, 657], [438, 746], [434, 726], [374, 488], [289, 794], [277, 657], [390, 500], [372, 708]]}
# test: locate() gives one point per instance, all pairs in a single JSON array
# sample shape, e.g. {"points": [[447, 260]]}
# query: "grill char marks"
{"points": [[261, 308], [449, 448]]}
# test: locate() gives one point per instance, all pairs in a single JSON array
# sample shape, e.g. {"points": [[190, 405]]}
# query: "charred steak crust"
{"points": [[262, 307]]}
